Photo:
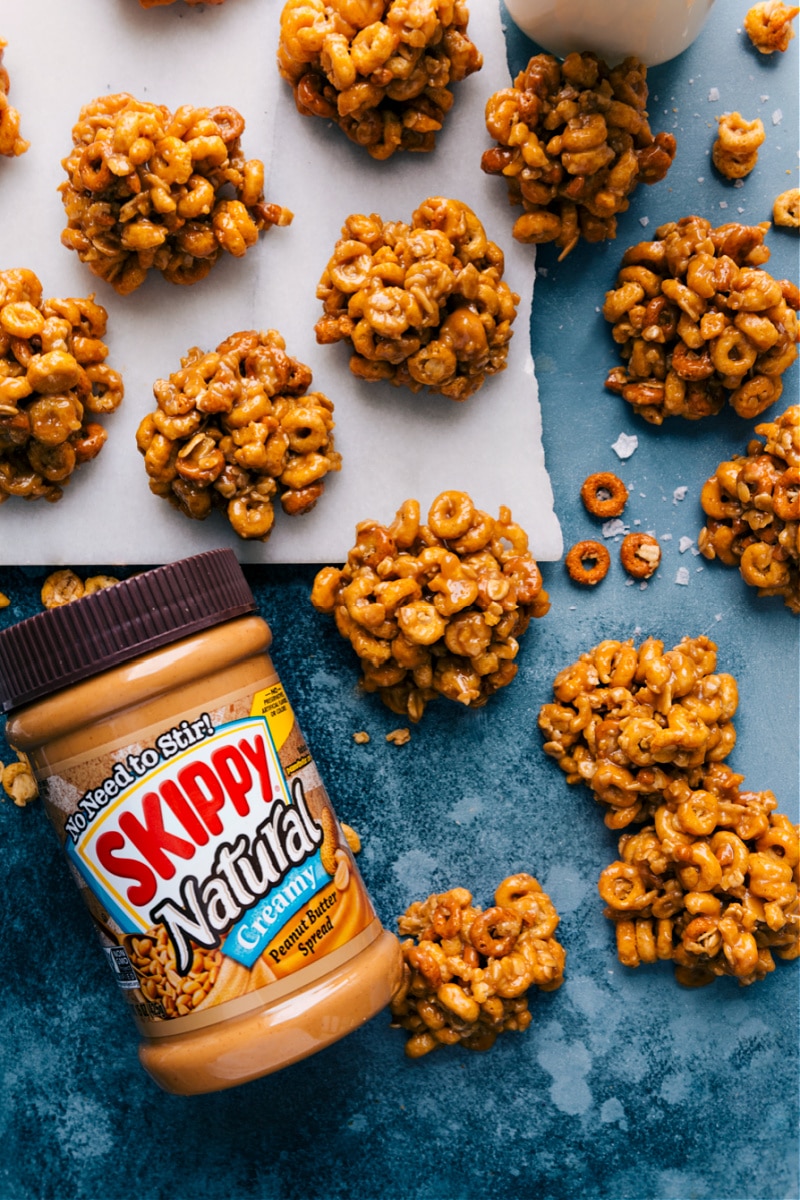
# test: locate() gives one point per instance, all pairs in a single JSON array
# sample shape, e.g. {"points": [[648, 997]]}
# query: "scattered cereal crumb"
{"points": [[698, 569], [682, 576], [680, 493], [713, 94], [614, 527], [4, 600], [777, 116], [625, 445], [684, 544], [362, 737], [351, 837], [399, 737], [644, 220], [738, 183]]}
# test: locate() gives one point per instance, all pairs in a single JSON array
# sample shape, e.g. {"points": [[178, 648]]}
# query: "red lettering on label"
{"points": [[126, 868], [256, 755], [207, 799], [234, 776], [152, 839], [172, 795]]}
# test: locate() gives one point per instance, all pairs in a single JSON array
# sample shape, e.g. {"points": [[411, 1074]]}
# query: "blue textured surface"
{"points": [[625, 1086]]}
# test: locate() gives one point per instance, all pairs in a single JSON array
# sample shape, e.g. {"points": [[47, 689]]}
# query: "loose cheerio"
{"points": [[195, 823]]}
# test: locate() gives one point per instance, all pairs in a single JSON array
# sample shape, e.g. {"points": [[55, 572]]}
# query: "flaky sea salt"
{"points": [[682, 576], [684, 544], [723, 203], [713, 94], [680, 493], [614, 527], [777, 116], [625, 445], [644, 220]]}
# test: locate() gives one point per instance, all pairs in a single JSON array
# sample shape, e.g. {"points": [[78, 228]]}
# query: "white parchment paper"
{"points": [[62, 54]]}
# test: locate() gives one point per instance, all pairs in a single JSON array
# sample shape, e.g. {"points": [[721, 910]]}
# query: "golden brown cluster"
{"points": [[148, 188], [422, 305], [752, 505], [53, 380], [11, 144], [735, 151], [381, 69], [435, 609], [627, 722], [769, 25], [786, 209], [711, 884], [697, 321], [573, 142], [235, 426], [466, 971]]}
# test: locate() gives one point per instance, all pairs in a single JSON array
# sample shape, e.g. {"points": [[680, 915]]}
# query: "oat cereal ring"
{"points": [[768, 24], [640, 555], [587, 562], [786, 209], [735, 150], [604, 494]]}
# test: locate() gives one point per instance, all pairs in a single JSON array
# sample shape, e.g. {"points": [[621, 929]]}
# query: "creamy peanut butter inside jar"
{"points": [[195, 824]]}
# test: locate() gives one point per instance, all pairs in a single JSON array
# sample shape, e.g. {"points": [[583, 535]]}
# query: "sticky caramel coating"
{"points": [[752, 507], [711, 884], [150, 189], [236, 427], [786, 209], [735, 150], [380, 69], [627, 721], [769, 25], [11, 143], [640, 555], [467, 971], [54, 382], [698, 322], [573, 142], [421, 305], [435, 609]]}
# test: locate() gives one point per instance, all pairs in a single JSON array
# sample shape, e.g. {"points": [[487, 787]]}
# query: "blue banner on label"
{"points": [[247, 940]]}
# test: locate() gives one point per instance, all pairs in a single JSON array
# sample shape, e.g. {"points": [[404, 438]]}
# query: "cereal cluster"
{"points": [[53, 380], [752, 505], [573, 142], [149, 189], [435, 609], [422, 305], [466, 971], [627, 721], [735, 151], [235, 426], [697, 321], [711, 884], [381, 69], [18, 781], [11, 144], [769, 25], [786, 209]]}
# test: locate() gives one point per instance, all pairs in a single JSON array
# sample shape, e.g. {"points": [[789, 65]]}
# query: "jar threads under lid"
{"points": [[64, 645]]}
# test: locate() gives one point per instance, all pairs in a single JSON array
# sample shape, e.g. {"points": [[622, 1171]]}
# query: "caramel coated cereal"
{"points": [[11, 144], [151, 189], [467, 971], [769, 25], [640, 555], [786, 209], [53, 381], [573, 143], [381, 69], [735, 151], [752, 507], [422, 305], [236, 427], [435, 609], [698, 322]]}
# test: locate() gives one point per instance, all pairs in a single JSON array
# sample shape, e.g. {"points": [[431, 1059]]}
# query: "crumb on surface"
{"points": [[399, 737], [362, 737]]}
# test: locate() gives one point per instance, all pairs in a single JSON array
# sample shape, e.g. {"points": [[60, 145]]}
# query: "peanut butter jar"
{"points": [[195, 824]]}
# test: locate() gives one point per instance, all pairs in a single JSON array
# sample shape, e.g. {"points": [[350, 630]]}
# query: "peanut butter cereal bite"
{"points": [[467, 971], [735, 151], [572, 143], [11, 144], [698, 322], [236, 427], [711, 884], [435, 609], [381, 69], [752, 507], [769, 25], [150, 189], [54, 382], [421, 305], [628, 721]]}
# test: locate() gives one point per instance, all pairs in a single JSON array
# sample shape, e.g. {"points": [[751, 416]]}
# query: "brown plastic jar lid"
{"points": [[61, 646]]}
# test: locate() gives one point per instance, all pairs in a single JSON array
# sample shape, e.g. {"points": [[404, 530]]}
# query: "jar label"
{"points": [[212, 861]]}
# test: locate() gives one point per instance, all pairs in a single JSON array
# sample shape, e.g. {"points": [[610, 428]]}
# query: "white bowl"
{"points": [[651, 30]]}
